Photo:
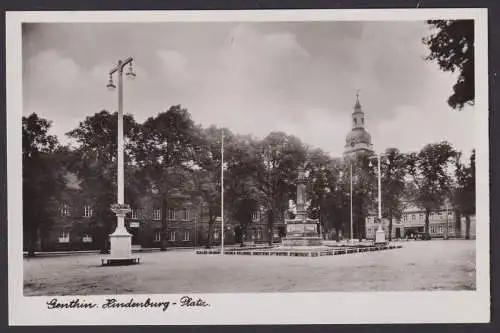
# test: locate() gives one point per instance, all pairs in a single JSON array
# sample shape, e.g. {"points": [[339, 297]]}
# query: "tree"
{"points": [[452, 47], [241, 192], [393, 169], [165, 150], [429, 171], [329, 196], [280, 156], [320, 180], [208, 177], [364, 192], [42, 177], [95, 164], [464, 193]]}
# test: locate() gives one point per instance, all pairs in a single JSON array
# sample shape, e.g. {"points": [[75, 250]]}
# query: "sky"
{"points": [[253, 78]]}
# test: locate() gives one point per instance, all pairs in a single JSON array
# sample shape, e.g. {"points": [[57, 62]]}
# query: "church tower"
{"points": [[358, 141]]}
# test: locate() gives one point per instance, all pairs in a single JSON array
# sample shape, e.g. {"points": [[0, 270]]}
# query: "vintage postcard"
{"points": [[248, 167]]}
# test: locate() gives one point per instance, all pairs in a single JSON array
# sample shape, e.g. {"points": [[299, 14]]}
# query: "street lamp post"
{"points": [[120, 239], [350, 196], [379, 234]]}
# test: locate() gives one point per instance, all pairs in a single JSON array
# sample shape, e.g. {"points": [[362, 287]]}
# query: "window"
{"points": [[259, 234], [133, 214], [422, 216], [186, 235], [413, 217], [157, 236], [171, 214], [87, 238], [63, 237], [184, 213], [64, 210], [156, 214], [87, 211], [172, 236], [255, 215], [404, 217]]}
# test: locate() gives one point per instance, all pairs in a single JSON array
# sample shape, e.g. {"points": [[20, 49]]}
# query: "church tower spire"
{"points": [[358, 116], [358, 140]]}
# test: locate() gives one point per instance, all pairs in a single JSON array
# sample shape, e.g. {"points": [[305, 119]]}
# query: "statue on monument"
{"points": [[302, 231]]}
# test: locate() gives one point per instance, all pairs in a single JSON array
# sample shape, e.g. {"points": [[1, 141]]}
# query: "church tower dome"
{"points": [[358, 141]]}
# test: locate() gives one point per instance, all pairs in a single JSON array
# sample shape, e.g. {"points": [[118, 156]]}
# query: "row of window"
{"points": [[172, 236], [419, 216], [87, 211], [433, 229], [182, 214], [64, 236], [441, 228]]}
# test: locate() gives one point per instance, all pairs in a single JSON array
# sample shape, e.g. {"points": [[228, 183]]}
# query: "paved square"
{"points": [[419, 265]]}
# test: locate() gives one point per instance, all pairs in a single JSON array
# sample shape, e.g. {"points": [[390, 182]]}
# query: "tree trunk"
{"points": [[458, 224], [270, 220], [210, 231], [390, 224], [467, 226], [242, 237], [104, 238], [427, 213], [337, 233]]}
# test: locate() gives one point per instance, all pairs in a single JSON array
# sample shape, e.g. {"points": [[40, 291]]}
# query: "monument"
{"points": [[301, 231]]}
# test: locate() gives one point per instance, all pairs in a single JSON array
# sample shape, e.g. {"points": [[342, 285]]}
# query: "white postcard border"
{"points": [[267, 308]]}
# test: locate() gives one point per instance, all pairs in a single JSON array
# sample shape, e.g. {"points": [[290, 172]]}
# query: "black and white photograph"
{"points": [[200, 167]]}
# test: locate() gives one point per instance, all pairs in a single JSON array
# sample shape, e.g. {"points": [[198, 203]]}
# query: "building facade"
{"points": [[77, 225], [442, 224]]}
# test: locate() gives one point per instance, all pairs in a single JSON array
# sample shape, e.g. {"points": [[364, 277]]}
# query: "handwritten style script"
{"points": [[114, 303]]}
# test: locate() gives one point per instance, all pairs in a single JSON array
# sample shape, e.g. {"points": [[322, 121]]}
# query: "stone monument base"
{"points": [[121, 250], [299, 233], [302, 241], [380, 236]]}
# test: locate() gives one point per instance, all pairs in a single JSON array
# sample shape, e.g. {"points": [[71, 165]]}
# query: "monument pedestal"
{"points": [[380, 236], [300, 233], [121, 243]]}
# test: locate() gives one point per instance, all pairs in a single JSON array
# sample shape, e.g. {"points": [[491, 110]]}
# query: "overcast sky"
{"points": [[300, 78]]}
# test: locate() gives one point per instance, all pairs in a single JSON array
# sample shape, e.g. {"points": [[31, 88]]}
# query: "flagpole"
{"points": [[352, 231], [222, 192]]}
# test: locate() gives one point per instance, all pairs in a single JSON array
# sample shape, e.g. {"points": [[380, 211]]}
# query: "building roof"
{"points": [[358, 135]]}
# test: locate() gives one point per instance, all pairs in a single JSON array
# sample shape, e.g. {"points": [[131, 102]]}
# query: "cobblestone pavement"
{"points": [[419, 265]]}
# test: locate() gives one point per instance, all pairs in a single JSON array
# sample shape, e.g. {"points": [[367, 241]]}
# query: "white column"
{"points": [[121, 194]]}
